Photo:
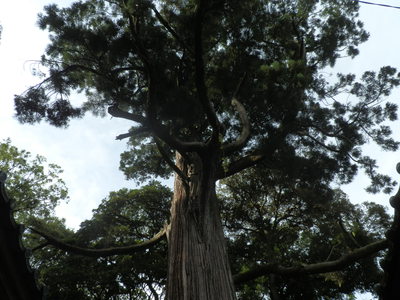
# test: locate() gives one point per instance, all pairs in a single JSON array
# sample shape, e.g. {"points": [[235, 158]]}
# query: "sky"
{"points": [[87, 150]]}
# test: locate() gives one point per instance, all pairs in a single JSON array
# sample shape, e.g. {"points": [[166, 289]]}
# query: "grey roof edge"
{"points": [[18, 281]]}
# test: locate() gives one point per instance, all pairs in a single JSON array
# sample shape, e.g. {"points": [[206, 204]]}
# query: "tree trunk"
{"points": [[392, 265], [198, 267]]}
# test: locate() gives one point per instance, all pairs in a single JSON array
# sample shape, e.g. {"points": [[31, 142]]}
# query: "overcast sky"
{"points": [[88, 151]]}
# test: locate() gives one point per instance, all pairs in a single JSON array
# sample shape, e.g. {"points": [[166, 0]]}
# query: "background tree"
{"points": [[34, 189], [222, 85], [267, 221], [271, 220], [124, 217], [34, 185]]}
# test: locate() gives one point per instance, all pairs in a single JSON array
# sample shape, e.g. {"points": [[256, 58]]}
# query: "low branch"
{"points": [[101, 252], [317, 268]]}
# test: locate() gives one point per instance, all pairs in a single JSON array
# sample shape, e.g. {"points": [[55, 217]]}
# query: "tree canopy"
{"points": [[267, 54], [214, 88], [125, 217], [260, 227], [34, 186]]}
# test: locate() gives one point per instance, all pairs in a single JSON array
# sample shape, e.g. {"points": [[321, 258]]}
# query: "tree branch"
{"points": [[116, 112], [239, 165], [199, 72], [41, 246], [167, 26], [101, 252], [159, 130], [276, 140], [245, 133], [317, 268], [164, 154], [144, 131], [348, 234], [151, 120], [163, 133]]}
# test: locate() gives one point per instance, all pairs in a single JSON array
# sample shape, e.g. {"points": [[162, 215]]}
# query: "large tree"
{"points": [[212, 88]]}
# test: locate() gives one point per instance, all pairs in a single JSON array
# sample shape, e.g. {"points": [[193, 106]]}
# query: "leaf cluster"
{"points": [[34, 186], [270, 218], [146, 61], [125, 217]]}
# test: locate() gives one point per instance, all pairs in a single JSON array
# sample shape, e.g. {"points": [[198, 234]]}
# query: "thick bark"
{"points": [[198, 265]]}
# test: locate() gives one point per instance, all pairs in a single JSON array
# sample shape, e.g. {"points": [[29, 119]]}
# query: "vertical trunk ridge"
{"points": [[198, 264]]}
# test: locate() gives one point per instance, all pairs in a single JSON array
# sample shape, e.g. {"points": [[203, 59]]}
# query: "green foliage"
{"points": [[267, 219], [143, 161], [139, 56], [125, 217], [270, 218], [35, 186], [155, 63]]}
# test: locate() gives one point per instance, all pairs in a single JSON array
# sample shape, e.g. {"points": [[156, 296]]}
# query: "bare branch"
{"points": [[165, 155], [138, 131], [331, 251], [124, 135], [163, 133], [101, 252], [317, 268], [158, 130], [116, 112], [245, 133], [239, 165]]}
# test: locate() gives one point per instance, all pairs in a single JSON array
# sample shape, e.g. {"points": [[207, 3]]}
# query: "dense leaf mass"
{"points": [[140, 57], [123, 218], [268, 218], [34, 185], [228, 86]]}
